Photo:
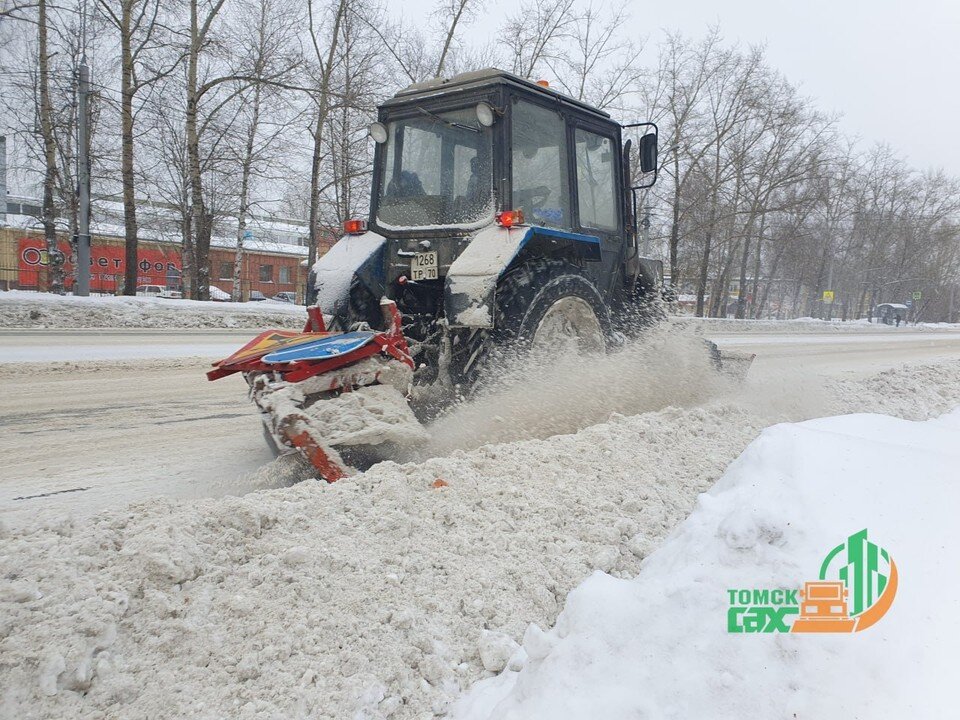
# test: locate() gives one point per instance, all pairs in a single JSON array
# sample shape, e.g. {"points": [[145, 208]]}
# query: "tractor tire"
{"points": [[535, 302]]}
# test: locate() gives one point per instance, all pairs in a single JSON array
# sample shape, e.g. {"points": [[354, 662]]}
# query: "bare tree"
{"points": [[349, 153], [451, 15], [419, 56], [728, 99], [533, 34], [237, 75], [268, 50], [321, 98], [676, 101], [596, 63], [142, 34], [16, 10], [197, 275], [50, 175]]}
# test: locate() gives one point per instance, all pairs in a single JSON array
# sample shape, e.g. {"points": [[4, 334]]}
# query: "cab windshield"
{"points": [[436, 172]]}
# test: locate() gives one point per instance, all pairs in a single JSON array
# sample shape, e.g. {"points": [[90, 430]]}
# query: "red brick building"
{"points": [[266, 272], [268, 267]]}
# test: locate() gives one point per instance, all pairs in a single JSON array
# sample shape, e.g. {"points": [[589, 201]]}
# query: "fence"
{"points": [[266, 289], [38, 280]]}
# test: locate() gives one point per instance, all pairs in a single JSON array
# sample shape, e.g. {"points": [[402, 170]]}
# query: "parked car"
{"points": [[158, 291], [218, 295], [257, 296], [150, 290], [287, 297]]}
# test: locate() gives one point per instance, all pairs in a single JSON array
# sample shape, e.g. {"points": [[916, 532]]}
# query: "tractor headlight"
{"points": [[485, 114], [378, 131]]}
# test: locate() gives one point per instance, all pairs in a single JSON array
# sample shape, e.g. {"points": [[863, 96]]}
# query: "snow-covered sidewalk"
{"points": [[19, 309], [674, 642], [383, 596]]}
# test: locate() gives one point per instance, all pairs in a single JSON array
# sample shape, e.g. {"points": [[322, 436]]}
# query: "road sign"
{"points": [[828, 297], [917, 295]]}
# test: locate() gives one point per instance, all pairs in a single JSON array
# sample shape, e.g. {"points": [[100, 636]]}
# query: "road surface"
{"points": [[840, 353], [82, 435], [43, 346]]}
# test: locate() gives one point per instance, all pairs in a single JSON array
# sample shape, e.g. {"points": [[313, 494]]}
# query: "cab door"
{"points": [[597, 195]]}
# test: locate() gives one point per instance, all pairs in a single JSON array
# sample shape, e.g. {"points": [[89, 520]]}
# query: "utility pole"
{"points": [[83, 174], [3, 180], [830, 285]]}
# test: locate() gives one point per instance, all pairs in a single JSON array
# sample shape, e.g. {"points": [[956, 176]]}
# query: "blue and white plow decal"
{"points": [[322, 349]]}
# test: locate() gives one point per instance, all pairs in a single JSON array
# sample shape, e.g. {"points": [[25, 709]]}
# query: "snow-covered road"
{"points": [[44, 346], [95, 434], [96, 437], [841, 353], [384, 596]]}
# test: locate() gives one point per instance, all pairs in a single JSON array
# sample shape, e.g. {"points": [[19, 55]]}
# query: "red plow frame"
{"points": [[251, 360]]}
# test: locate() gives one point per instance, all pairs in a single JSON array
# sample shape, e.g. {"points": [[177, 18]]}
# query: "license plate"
{"points": [[424, 266]]}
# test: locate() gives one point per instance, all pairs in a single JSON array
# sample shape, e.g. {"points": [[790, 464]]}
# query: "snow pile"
{"points": [[658, 646], [369, 595], [371, 415], [20, 309], [382, 596]]}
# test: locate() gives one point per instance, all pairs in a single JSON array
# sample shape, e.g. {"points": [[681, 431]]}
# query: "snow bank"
{"points": [[382, 596], [19, 309], [659, 647]]}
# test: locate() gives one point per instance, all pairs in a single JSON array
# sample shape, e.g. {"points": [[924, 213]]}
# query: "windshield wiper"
{"points": [[448, 123]]}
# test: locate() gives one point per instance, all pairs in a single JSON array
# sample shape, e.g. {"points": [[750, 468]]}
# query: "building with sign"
{"points": [[273, 261]]}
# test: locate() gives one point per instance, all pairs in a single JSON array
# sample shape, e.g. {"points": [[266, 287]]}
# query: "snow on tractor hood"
{"points": [[334, 270], [472, 277]]}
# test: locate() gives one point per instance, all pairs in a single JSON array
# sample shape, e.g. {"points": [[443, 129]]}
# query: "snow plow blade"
{"points": [[319, 390]]}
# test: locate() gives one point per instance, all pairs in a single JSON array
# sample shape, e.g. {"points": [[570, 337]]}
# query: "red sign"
{"points": [[107, 265]]}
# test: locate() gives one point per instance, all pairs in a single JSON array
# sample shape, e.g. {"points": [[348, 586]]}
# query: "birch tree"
{"points": [[50, 174], [270, 54], [322, 99], [142, 37]]}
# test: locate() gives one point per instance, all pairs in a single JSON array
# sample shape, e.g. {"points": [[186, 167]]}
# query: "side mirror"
{"points": [[648, 153]]}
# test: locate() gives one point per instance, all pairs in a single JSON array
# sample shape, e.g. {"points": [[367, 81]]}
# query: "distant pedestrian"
{"points": [[898, 319]]}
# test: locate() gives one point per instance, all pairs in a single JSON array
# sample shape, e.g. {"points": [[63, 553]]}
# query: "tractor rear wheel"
{"points": [[540, 305]]}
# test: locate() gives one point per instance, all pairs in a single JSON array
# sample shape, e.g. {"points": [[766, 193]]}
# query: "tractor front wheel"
{"points": [[541, 305]]}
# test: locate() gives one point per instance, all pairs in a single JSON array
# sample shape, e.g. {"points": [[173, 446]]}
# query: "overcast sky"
{"points": [[892, 67]]}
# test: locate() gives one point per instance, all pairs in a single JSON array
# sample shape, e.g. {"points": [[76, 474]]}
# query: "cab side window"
{"points": [[541, 186], [596, 181]]}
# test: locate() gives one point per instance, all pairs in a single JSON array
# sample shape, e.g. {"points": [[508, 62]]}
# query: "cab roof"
{"points": [[483, 78]]}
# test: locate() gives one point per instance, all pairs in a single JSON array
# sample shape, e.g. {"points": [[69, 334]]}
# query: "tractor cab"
{"points": [[463, 162], [453, 153]]}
